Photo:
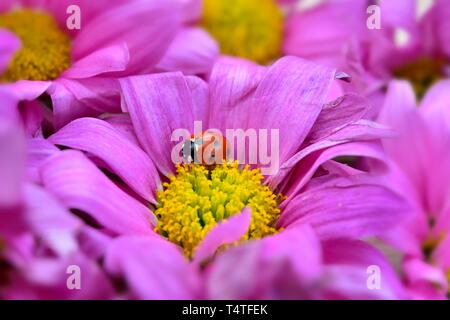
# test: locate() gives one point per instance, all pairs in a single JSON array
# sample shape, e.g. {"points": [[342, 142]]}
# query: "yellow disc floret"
{"points": [[197, 198], [45, 51], [249, 29]]}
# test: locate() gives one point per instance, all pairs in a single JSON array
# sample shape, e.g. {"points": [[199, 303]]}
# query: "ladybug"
{"points": [[208, 148]]}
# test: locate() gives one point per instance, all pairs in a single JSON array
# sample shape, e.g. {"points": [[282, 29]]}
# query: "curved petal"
{"points": [[38, 151], [9, 44], [50, 221], [73, 99], [350, 207], [352, 140], [283, 266], [110, 59], [154, 268], [322, 32], [122, 157], [434, 105], [421, 275], [9, 111], [28, 90], [46, 278], [289, 98], [418, 140], [32, 116], [158, 105], [231, 86], [12, 160], [58, 8], [128, 23], [122, 123], [193, 51], [192, 10], [228, 231], [438, 17], [350, 266], [442, 254], [337, 114], [78, 184]]}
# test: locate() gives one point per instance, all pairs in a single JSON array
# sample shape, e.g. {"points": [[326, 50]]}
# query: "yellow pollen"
{"points": [[251, 29], [422, 73], [197, 198], [45, 51]]}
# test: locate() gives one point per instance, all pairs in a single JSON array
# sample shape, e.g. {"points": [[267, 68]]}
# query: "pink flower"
{"points": [[420, 156], [38, 235], [78, 69], [410, 43], [328, 207]]}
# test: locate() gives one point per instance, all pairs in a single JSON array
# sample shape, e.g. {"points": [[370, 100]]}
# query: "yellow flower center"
{"points": [[249, 29], [197, 198], [422, 73], [45, 51]]}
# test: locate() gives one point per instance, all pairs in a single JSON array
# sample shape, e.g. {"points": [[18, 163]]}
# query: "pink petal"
{"points": [[152, 267], [228, 231], [9, 44], [28, 90], [128, 23], [337, 114], [439, 18], [78, 184], [9, 111], [46, 278], [349, 207], [418, 271], [347, 273], [158, 105], [93, 242], [304, 164], [232, 85], [417, 142], [193, 51], [73, 99], [110, 59], [442, 254], [122, 123], [12, 160], [50, 221], [38, 151], [434, 104], [289, 98], [320, 33], [122, 157], [283, 266]]}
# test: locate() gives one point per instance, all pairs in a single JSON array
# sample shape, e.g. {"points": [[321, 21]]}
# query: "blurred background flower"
{"points": [[420, 156], [78, 69]]}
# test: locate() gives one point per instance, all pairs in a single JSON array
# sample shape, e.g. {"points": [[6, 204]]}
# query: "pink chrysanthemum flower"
{"points": [[420, 157], [226, 231], [39, 237], [78, 68], [411, 42]]}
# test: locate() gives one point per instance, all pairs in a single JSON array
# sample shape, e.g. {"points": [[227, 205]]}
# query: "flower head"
{"points": [[202, 214], [78, 68]]}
